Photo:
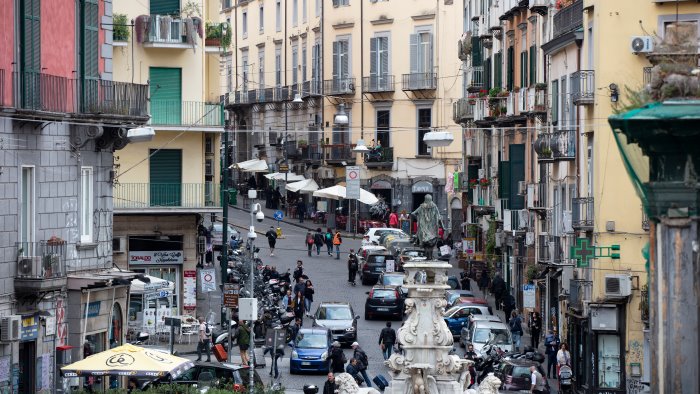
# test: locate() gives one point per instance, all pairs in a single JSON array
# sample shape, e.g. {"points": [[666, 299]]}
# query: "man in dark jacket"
{"points": [[362, 362], [319, 241], [508, 305], [551, 344], [354, 370], [298, 271], [329, 387], [387, 339], [337, 358], [271, 235], [498, 287], [301, 210], [353, 266]]}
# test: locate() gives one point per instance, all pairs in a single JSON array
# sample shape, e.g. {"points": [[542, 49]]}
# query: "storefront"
{"points": [[382, 188]]}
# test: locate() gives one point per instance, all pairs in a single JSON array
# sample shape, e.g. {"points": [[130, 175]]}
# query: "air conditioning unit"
{"points": [[28, 265], [618, 285], [642, 44], [523, 219], [522, 188], [119, 245], [482, 173], [10, 328], [566, 223]]}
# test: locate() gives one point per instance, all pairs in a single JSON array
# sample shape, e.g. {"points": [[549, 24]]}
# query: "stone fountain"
{"points": [[426, 367]]}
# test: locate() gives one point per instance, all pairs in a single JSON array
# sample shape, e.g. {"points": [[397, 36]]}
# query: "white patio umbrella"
{"points": [[255, 165], [305, 186], [337, 192], [281, 176], [139, 287]]}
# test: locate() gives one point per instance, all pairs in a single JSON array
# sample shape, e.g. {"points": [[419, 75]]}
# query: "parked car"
{"points": [[515, 375], [481, 332], [373, 265], [464, 334], [340, 319], [470, 300], [366, 249], [371, 236], [458, 316], [223, 374], [217, 231], [390, 239], [384, 301], [310, 351], [408, 251], [393, 279]]}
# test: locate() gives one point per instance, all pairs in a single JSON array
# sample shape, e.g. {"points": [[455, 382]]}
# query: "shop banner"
{"points": [[156, 257], [189, 299], [208, 278]]}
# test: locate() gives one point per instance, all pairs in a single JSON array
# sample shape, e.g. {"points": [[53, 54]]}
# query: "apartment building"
{"points": [[62, 120], [165, 188]]}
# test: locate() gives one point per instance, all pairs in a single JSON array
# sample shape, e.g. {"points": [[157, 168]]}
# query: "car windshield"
{"points": [[387, 294], [218, 227], [414, 253], [393, 280], [521, 372], [379, 259], [312, 341], [482, 335], [334, 313], [451, 311]]}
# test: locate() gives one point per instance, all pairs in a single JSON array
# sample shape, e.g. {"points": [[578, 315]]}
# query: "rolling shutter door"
{"points": [[165, 7], [165, 171], [166, 95], [516, 154]]}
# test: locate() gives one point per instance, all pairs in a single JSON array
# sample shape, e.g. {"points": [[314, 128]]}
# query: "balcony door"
{"points": [[89, 53], [379, 63], [383, 128], [30, 42], [165, 170], [166, 95]]}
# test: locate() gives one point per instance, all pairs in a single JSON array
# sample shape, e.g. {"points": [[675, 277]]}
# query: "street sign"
{"points": [[157, 294], [276, 338], [278, 215], [284, 168], [529, 296], [352, 182], [156, 285], [231, 291], [208, 278], [172, 321]]}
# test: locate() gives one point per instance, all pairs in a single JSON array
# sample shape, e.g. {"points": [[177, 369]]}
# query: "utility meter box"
{"points": [[248, 309]]}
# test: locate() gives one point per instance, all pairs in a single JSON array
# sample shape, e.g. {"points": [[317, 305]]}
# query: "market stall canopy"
{"points": [[305, 186], [281, 176], [255, 165], [338, 193], [129, 360], [140, 287]]}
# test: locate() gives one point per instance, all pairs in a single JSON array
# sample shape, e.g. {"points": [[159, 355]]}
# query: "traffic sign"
{"points": [[352, 182], [156, 285], [231, 291], [284, 168], [278, 215], [157, 294]]}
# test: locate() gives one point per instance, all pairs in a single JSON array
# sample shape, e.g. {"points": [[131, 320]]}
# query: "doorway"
{"points": [[27, 367], [418, 199]]}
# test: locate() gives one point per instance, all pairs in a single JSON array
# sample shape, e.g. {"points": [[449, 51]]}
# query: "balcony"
{"points": [[58, 96], [266, 95], [544, 253], [378, 84], [482, 196], [312, 154], [166, 197], [336, 154], [578, 293], [568, 19], [419, 81], [539, 6], [582, 213], [463, 110], [187, 113], [537, 194], [475, 79], [583, 87], [311, 88], [41, 266], [280, 94], [339, 86], [539, 102], [556, 145], [382, 159], [516, 220], [164, 31], [482, 109]]}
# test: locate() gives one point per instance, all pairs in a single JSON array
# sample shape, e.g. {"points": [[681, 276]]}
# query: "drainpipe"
{"points": [[85, 317]]}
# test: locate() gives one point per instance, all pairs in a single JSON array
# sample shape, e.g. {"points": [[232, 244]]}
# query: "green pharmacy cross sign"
{"points": [[583, 252]]}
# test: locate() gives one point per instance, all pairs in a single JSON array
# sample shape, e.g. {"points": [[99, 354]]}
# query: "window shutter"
{"points": [[91, 42], [487, 74], [429, 54], [373, 59], [413, 53], [498, 70], [504, 180], [295, 65], [336, 55], [31, 52], [165, 176], [336, 3], [165, 7], [555, 101], [523, 69], [384, 56], [533, 65], [344, 59], [516, 156], [314, 57], [477, 52], [511, 68], [166, 95]]}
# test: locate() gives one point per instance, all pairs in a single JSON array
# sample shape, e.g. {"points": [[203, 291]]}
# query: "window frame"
{"points": [[244, 23], [87, 197], [29, 217], [261, 19], [278, 16], [295, 13], [423, 129]]}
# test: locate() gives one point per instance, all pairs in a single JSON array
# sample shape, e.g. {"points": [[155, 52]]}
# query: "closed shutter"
{"points": [[295, 65], [498, 70], [413, 53], [90, 56], [336, 61], [344, 51], [516, 156], [523, 69], [31, 54], [383, 48], [373, 59], [487, 74], [165, 171], [314, 59], [166, 95], [429, 53], [511, 68], [504, 180], [165, 7], [477, 51], [473, 173], [533, 65]]}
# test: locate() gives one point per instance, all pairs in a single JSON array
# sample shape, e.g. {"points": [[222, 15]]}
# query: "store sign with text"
{"points": [[156, 257]]}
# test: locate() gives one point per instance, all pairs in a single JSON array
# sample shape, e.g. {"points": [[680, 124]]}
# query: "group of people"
{"points": [[356, 366], [331, 240]]}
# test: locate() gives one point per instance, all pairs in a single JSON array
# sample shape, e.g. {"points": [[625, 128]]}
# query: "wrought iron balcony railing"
{"points": [[582, 214], [419, 81], [166, 195], [41, 260], [378, 83], [583, 87], [339, 86], [568, 18], [185, 113], [337, 153], [463, 110]]}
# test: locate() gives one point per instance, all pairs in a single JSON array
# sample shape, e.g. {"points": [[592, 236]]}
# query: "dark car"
{"points": [[340, 319], [310, 351], [515, 375], [217, 231], [224, 375], [393, 279], [384, 301], [374, 264]]}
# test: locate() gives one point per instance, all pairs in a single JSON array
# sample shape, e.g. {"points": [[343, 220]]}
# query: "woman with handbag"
{"points": [[309, 241]]}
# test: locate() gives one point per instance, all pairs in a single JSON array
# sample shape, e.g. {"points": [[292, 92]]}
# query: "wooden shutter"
{"points": [[477, 51], [413, 53], [511, 68], [498, 70], [429, 54], [383, 48], [166, 95], [31, 54], [165, 7], [344, 51], [523, 69], [504, 180], [533, 65], [295, 65], [486, 78], [555, 101], [314, 60], [165, 172], [516, 157], [336, 60], [373, 55]]}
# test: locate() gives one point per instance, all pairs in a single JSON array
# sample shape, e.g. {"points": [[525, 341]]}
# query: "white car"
{"points": [[371, 237], [366, 249]]}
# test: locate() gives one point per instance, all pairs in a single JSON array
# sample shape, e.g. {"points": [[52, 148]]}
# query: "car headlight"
{"points": [[350, 329], [295, 354], [324, 356]]}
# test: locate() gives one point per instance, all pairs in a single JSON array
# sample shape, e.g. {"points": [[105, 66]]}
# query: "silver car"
{"points": [[340, 319]]}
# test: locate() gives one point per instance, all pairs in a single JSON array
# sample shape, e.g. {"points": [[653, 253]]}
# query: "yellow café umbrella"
{"points": [[129, 360]]}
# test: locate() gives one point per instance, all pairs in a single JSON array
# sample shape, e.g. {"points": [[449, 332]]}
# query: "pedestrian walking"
{"points": [[387, 339], [276, 354], [464, 280], [508, 305], [328, 238], [330, 387], [362, 362], [271, 235], [301, 210], [535, 329], [337, 358], [516, 329], [204, 340], [298, 271], [309, 242], [393, 220], [337, 241], [498, 288], [287, 301], [308, 297], [353, 265], [551, 344], [353, 369], [298, 305], [484, 283], [537, 383], [318, 241], [243, 341]]}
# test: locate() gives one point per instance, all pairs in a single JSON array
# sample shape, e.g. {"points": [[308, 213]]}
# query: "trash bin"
{"points": [[233, 196]]}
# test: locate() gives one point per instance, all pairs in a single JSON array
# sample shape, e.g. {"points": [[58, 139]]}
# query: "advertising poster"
{"points": [[189, 299]]}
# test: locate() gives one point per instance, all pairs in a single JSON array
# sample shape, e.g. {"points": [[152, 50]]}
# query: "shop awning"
{"points": [[337, 192], [255, 165], [140, 287], [281, 176], [305, 186]]}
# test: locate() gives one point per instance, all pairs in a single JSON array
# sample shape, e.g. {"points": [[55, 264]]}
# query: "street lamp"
{"points": [[256, 213]]}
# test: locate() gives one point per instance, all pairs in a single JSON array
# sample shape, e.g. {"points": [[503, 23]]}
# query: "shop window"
{"points": [[609, 368]]}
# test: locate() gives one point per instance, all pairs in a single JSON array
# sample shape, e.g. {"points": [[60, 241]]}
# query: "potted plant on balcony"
{"points": [[563, 3], [473, 182], [472, 98], [546, 152], [302, 143], [120, 28], [540, 86], [215, 35], [484, 183]]}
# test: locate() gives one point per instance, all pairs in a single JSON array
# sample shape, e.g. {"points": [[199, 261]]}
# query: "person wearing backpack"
{"points": [[318, 241], [362, 362], [516, 329], [243, 341], [328, 236], [537, 381], [337, 241], [271, 235], [204, 340], [353, 265], [309, 241]]}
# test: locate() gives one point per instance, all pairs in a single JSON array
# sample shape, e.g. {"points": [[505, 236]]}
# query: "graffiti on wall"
{"points": [[61, 328]]}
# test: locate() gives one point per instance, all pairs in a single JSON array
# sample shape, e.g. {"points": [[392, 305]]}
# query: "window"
{"points": [[379, 62], [261, 17], [303, 61], [337, 3], [86, 197], [228, 72], [295, 64], [278, 66], [27, 207], [555, 102], [304, 10], [278, 16], [609, 368], [421, 48], [498, 70], [383, 127], [261, 68], [425, 116], [523, 69], [510, 71], [533, 64], [295, 12], [316, 67], [244, 23], [209, 145], [244, 71], [318, 7], [564, 116], [341, 58]]}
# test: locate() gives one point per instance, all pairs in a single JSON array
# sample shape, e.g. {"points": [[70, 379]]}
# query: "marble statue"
{"points": [[347, 385], [428, 217], [489, 385]]}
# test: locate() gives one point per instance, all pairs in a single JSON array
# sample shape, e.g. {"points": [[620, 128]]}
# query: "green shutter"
{"points": [[31, 54], [533, 65], [166, 95], [477, 51], [472, 173], [523, 69], [498, 70], [165, 7], [90, 52], [504, 180], [555, 101], [511, 69], [516, 156], [165, 171], [487, 74]]}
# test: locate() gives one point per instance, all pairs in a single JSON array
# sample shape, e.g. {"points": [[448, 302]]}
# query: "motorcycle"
{"points": [[221, 336]]}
